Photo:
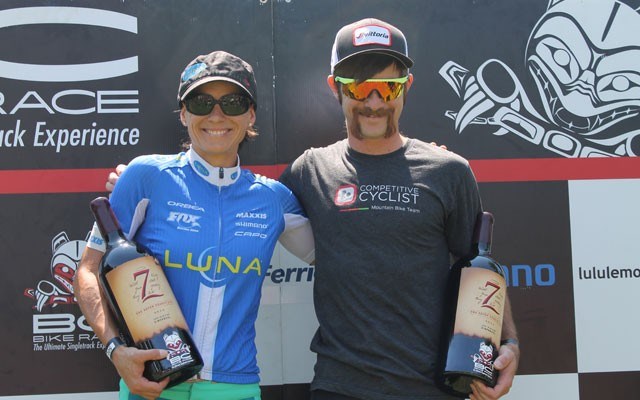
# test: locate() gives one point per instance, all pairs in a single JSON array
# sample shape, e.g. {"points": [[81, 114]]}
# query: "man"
{"points": [[387, 212]]}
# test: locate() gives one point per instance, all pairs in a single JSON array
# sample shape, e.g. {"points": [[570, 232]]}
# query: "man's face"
{"points": [[373, 118]]}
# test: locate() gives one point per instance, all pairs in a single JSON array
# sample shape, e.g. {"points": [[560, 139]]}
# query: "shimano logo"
{"points": [[70, 16], [519, 275], [185, 205], [251, 215]]}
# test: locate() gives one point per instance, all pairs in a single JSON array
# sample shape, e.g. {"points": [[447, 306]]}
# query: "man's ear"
{"points": [[409, 82], [333, 85]]}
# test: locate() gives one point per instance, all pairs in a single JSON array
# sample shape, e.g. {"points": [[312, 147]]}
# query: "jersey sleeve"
{"points": [[129, 201]]}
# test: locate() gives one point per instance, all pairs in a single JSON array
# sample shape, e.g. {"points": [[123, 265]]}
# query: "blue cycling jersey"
{"points": [[213, 230]]}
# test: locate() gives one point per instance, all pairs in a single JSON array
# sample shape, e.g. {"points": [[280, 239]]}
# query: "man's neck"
{"points": [[377, 146]]}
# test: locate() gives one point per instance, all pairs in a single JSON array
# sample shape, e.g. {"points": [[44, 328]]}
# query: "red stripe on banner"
{"points": [[53, 180], [507, 170], [555, 169]]}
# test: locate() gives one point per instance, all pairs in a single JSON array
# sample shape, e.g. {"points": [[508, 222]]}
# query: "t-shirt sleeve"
{"points": [[292, 176], [462, 217]]}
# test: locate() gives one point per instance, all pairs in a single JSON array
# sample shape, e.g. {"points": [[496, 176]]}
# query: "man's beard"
{"points": [[354, 126]]}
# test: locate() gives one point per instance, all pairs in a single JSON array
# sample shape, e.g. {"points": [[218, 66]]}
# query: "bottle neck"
{"points": [[483, 233], [113, 238], [107, 221]]}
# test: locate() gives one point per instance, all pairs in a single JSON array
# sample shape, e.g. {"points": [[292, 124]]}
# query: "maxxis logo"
{"points": [[68, 72]]}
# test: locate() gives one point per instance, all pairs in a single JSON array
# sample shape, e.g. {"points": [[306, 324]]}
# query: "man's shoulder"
{"points": [[435, 153], [327, 151]]}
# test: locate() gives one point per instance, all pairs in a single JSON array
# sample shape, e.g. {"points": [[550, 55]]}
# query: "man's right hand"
{"points": [[113, 177], [129, 363]]}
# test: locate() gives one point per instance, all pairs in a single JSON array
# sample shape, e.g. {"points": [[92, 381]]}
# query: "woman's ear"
{"points": [[183, 117]]}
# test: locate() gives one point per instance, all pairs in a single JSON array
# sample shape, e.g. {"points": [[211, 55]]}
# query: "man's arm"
{"points": [[114, 176], [298, 239], [128, 361]]}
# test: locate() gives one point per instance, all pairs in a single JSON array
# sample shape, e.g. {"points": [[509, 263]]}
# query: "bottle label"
{"points": [[480, 304], [145, 298]]}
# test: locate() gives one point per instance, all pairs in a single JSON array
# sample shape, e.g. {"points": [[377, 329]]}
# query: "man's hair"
{"points": [[364, 66]]}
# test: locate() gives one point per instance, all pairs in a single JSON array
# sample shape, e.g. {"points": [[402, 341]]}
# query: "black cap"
{"points": [[369, 35], [217, 66]]}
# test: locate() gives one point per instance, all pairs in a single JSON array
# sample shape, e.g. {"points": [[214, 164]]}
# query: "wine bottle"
{"points": [[472, 316], [143, 303]]}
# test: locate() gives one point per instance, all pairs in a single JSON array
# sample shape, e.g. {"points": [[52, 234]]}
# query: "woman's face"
{"points": [[217, 136]]}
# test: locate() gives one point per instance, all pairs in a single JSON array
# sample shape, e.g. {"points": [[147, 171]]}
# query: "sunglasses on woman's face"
{"points": [[388, 89], [231, 104]]}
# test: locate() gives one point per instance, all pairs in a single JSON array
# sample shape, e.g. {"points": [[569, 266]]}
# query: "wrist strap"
{"points": [[112, 345], [510, 341]]}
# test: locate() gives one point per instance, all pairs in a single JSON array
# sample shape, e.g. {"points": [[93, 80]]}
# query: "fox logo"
{"points": [[185, 221]]}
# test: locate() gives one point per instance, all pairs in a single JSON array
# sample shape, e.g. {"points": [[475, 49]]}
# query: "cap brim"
{"points": [[213, 79], [406, 61]]}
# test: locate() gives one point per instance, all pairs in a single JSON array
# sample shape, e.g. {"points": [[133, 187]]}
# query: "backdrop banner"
{"points": [[541, 96]]}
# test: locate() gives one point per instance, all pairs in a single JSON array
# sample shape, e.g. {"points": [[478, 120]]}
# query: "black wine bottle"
{"points": [[472, 316], [143, 303]]}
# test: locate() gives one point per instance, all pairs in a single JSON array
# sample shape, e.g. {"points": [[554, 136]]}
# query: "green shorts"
{"points": [[201, 391]]}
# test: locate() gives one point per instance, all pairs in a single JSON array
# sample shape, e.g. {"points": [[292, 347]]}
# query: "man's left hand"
{"points": [[507, 364]]}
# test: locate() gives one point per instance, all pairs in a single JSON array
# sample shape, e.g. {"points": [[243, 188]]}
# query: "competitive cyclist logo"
{"points": [[385, 197]]}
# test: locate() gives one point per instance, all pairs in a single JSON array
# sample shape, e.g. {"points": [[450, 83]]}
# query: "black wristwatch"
{"points": [[112, 345], [510, 341]]}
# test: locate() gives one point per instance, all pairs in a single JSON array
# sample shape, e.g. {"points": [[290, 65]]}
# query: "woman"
{"points": [[212, 226]]}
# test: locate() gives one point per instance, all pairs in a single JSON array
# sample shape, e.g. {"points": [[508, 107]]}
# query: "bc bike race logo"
{"points": [[584, 58], [62, 330]]}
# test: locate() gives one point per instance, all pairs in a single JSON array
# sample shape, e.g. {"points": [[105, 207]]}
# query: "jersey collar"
{"points": [[218, 176]]}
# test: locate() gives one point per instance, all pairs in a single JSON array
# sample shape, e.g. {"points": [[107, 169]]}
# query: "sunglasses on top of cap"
{"points": [[388, 89], [231, 104]]}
